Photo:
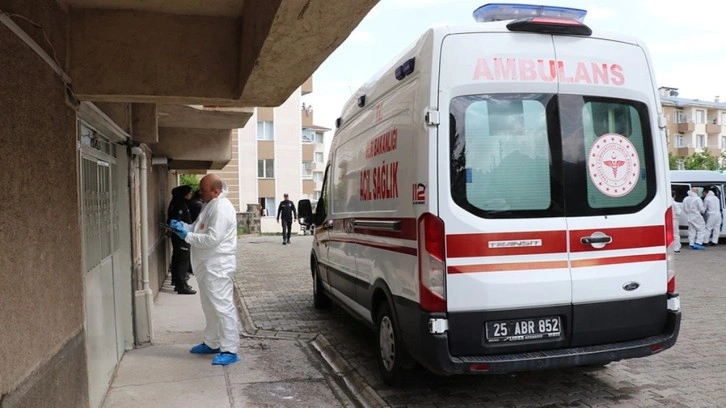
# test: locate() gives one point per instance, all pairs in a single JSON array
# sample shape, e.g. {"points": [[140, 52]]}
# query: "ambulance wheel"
{"points": [[320, 299], [393, 359]]}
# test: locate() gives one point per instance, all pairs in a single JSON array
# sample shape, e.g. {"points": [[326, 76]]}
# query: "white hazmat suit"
{"points": [[693, 207], [677, 211], [213, 241], [713, 218]]}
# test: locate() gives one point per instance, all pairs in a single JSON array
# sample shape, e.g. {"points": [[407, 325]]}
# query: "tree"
{"points": [[701, 161], [189, 180]]}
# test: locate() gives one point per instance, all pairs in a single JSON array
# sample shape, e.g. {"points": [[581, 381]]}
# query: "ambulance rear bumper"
{"points": [[433, 353]]}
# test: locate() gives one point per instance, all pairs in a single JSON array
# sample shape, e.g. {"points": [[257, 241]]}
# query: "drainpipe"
{"points": [[146, 290]]}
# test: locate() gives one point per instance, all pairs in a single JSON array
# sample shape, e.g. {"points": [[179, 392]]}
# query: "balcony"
{"points": [[684, 151], [713, 129], [686, 127]]}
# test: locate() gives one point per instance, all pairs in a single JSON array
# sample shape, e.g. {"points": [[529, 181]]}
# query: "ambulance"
{"points": [[682, 181], [497, 200]]}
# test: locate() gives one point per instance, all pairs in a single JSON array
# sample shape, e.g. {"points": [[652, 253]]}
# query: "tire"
{"points": [[320, 299], [393, 360]]}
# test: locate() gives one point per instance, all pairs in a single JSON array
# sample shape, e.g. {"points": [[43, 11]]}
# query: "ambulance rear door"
{"points": [[616, 191], [501, 197]]}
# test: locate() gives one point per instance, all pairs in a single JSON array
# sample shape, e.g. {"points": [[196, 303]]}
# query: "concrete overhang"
{"points": [[202, 117], [188, 52], [193, 148]]}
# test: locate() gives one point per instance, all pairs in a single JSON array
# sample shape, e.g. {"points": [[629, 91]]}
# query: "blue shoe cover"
{"points": [[225, 358], [697, 246], [202, 348]]}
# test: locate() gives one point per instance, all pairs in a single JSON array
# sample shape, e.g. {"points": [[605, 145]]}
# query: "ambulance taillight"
{"points": [[431, 262], [670, 254]]}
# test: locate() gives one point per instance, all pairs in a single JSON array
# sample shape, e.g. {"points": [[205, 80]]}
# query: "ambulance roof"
{"points": [[351, 107], [707, 176]]}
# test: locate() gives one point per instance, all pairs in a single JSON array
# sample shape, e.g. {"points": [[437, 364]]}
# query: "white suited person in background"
{"points": [[713, 218], [213, 241]]}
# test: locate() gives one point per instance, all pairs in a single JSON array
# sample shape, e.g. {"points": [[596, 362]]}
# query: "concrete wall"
{"points": [[42, 341]]}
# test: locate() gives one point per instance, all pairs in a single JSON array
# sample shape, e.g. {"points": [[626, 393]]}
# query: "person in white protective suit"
{"points": [[693, 207], [213, 241], [677, 211], [713, 218]]}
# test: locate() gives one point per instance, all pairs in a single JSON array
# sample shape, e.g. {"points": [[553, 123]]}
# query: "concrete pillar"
{"points": [[144, 126]]}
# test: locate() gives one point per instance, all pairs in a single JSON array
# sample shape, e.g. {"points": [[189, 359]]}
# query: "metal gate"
{"points": [[99, 215]]}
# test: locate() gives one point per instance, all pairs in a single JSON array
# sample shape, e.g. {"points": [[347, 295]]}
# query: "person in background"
{"points": [[713, 218], [693, 208], [180, 261], [286, 211], [213, 241], [195, 205], [677, 211]]}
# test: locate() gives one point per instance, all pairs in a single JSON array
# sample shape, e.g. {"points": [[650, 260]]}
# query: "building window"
{"points": [[265, 131], [319, 138], [316, 196], [723, 118], [679, 117], [700, 141], [679, 140], [318, 176], [267, 207], [266, 168], [700, 116], [723, 142], [308, 135], [318, 157], [307, 170]]}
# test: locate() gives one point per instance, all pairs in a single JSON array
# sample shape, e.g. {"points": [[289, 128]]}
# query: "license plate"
{"points": [[523, 329]]}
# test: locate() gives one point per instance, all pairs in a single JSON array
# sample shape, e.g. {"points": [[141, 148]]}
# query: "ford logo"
{"points": [[631, 286]]}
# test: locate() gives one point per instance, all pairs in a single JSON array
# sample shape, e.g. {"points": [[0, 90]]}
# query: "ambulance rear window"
{"points": [[546, 155]]}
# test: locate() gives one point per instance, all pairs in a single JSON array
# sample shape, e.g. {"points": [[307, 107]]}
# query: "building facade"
{"points": [[693, 126], [284, 154]]}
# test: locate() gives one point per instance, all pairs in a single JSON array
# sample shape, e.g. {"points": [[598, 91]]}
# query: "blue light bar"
{"points": [[504, 11]]}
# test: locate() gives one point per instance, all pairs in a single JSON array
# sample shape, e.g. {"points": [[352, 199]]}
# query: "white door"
{"points": [[100, 246]]}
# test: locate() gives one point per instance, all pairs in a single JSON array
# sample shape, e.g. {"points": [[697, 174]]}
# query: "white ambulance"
{"points": [[498, 200]]}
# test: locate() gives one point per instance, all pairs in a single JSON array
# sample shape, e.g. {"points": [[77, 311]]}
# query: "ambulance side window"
{"points": [[681, 191]]}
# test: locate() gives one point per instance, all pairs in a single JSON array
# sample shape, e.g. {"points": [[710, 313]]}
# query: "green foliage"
{"points": [[701, 161], [189, 180]]}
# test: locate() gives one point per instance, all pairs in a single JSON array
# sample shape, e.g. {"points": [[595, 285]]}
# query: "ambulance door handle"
{"points": [[597, 240]]}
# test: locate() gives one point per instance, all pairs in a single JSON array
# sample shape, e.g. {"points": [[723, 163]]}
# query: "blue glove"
{"points": [[179, 229]]}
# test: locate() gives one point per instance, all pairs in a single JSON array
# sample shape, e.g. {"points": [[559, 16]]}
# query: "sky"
{"points": [[687, 43]]}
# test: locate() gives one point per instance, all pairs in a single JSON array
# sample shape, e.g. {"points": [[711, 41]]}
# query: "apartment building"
{"points": [[693, 125], [279, 151]]}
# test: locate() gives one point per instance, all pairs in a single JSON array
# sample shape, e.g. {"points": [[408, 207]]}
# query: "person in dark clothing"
{"points": [[287, 212], [195, 205], [180, 261]]}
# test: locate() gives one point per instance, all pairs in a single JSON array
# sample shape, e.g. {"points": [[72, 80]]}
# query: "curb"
{"points": [[358, 389]]}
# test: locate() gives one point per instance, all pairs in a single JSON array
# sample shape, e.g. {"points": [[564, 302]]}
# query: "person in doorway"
{"points": [[180, 261], [677, 211], [713, 218], [286, 211], [195, 205], [693, 208], [213, 241]]}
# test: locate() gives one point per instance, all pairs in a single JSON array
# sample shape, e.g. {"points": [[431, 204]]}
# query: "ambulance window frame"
{"points": [[458, 174]]}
